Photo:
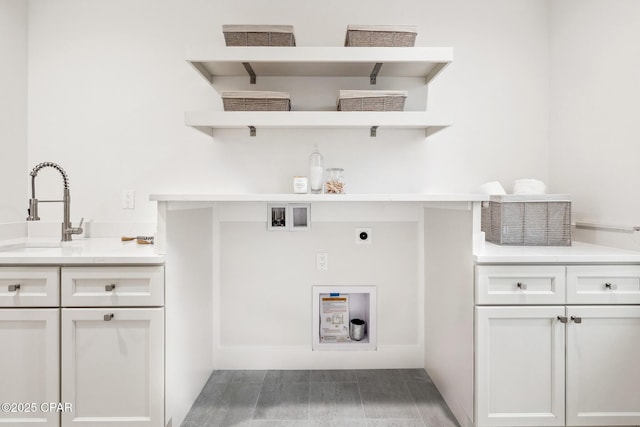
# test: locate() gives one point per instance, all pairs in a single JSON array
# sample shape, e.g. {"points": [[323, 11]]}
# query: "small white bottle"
{"points": [[316, 171]]}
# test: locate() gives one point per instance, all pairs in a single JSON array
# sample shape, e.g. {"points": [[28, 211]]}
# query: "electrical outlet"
{"points": [[128, 199], [364, 236], [322, 261]]}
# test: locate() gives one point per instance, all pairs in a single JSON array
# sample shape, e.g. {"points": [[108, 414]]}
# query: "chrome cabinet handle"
{"points": [[14, 288], [611, 286], [562, 319], [576, 319], [107, 317], [522, 286], [110, 287]]}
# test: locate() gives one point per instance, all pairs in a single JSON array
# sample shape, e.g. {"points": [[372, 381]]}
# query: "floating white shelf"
{"points": [[207, 121], [424, 62]]}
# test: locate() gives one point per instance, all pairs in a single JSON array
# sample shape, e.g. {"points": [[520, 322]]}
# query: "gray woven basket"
{"points": [[361, 36], [379, 103], [258, 35], [256, 104], [514, 220]]}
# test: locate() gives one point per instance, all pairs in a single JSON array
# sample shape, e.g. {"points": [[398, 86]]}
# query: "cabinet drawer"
{"points": [[603, 284], [112, 286], [29, 287], [520, 284]]}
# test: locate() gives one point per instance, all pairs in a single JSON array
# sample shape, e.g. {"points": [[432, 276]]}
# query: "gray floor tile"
{"points": [[379, 375], [279, 423], [224, 405], [390, 399], [338, 423], [330, 398], [333, 376], [248, 376], [300, 376], [432, 407], [416, 375], [237, 376], [395, 423], [283, 401], [335, 401]]}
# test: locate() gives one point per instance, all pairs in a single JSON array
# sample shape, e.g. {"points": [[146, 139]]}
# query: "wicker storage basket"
{"points": [[259, 35], [371, 100], [527, 220], [256, 101], [381, 36]]}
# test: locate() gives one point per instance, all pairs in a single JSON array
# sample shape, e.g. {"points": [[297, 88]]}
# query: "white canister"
{"points": [[300, 184]]}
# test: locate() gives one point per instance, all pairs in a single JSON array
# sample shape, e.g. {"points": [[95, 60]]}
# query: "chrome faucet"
{"points": [[67, 229]]}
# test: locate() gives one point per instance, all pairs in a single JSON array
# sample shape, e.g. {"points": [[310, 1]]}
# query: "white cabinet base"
{"points": [[29, 366], [603, 366], [519, 366], [113, 370]]}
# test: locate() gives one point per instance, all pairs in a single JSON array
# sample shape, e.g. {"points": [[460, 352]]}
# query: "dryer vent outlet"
{"points": [[364, 236]]}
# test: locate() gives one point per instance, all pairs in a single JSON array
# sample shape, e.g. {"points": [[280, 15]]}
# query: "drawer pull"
{"points": [[611, 286], [14, 288], [522, 286], [108, 317], [576, 319], [562, 319], [110, 287]]}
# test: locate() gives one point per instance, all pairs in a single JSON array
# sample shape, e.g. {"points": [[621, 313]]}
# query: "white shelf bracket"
{"points": [[374, 73], [252, 74], [252, 131], [373, 132]]}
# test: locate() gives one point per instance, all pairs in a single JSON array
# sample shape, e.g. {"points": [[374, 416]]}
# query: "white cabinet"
{"points": [[103, 361], [140, 286], [29, 366], [29, 287], [557, 364], [603, 373], [520, 366], [113, 366]]}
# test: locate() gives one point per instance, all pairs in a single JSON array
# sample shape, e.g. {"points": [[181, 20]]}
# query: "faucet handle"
{"points": [[78, 229]]}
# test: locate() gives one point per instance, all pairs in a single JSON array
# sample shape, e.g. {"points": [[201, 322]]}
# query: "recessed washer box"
{"points": [[362, 305]]}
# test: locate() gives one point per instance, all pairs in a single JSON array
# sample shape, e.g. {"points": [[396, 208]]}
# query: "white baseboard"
{"points": [[303, 357]]}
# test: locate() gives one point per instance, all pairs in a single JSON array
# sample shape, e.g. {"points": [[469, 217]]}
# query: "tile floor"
{"points": [[341, 398]]}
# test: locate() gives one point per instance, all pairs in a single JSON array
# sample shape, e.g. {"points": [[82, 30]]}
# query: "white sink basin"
{"points": [[31, 246]]}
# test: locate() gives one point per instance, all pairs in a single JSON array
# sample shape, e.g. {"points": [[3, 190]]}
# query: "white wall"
{"points": [[595, 142], [13, 110], [109, 87]]}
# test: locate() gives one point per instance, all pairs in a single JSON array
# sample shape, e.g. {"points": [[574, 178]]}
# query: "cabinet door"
{"points": [[29, 367], [519, 366], [603, 373], [113, 367]]}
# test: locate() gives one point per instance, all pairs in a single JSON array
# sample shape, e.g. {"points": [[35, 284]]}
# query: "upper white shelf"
{"points": [[425, 62]]}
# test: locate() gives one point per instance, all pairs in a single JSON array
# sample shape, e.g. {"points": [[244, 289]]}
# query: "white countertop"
{"points": [[290, 197], [80, 251], [578, 252]]}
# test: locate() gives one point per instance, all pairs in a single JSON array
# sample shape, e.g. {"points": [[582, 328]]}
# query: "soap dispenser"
{"points": [[316, 170]]}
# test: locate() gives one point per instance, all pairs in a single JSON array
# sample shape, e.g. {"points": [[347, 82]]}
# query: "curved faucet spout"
{"points": [[67, 229]]}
